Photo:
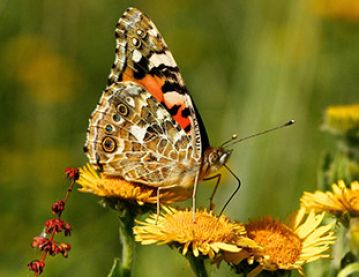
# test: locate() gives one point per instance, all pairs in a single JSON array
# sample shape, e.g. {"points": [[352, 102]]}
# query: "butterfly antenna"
{"points": [[234, 141], [234, 137], [234, 192]]}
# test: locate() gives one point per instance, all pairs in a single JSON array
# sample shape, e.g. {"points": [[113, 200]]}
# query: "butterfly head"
{"points": [[214, 158]]}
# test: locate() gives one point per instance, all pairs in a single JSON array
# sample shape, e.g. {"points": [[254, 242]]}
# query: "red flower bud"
{"points": [[64, 248], [72, 173], [46, 245], [58, 207], [55, 249], [40, 242], [36, 266], [67, 229], [54, 225]]}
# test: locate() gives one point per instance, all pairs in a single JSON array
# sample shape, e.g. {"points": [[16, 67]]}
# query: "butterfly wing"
{"points": [[142, 56], [133, 136]]}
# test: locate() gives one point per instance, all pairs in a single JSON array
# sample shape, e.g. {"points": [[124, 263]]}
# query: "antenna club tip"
{"points": [[290, 122]]}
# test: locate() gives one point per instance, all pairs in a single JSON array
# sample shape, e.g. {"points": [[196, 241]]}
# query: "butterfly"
{"points": [[146, 128]]}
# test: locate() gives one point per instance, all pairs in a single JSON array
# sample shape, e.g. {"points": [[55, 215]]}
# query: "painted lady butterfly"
{"points": [[145, 128]]}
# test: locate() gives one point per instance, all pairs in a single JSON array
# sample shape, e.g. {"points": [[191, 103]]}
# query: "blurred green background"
{"points": [[249, 64]]}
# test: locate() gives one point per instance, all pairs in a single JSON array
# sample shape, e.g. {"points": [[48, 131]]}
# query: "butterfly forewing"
{"points": [[142, 56]]}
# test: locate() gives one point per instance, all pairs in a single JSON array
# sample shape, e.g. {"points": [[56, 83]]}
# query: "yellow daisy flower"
{"points": [[341, 199], [286, 247], [207, 236], [102, 185], [342, 119]]}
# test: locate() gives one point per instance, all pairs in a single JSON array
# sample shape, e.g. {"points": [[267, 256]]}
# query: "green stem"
{"points": [[197, 265], [122, 266]]}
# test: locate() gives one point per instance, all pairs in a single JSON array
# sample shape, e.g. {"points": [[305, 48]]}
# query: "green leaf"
{"points": [[349, 269], [116, 270]]}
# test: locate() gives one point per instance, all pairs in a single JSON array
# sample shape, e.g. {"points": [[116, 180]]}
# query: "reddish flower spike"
{"points": [[72, 173], [36, 266], [53, 226]]}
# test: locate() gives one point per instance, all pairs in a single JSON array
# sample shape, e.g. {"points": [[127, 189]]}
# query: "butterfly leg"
{"points": [[194, 197], [158, 199], [218, 177], [234, 192]]}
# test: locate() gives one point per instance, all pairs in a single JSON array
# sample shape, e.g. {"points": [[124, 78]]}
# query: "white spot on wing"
{"points": [[174, 98], [159, 114], [177, 137], [130, 101], [166, 59], [138, 132], [136, 56], [153, 32]]}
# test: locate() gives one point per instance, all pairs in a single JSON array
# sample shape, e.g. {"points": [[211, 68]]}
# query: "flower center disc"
{"points": [[206, 227], [281, 245]]}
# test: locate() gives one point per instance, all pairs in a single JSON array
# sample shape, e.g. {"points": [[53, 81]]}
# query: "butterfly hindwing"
{"points": [[133, 136]]}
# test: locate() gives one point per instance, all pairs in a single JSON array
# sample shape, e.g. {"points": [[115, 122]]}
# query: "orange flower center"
{"points": [[279, 243]]}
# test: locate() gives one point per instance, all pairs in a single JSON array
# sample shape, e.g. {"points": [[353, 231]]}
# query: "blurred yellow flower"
{"points": [[207, 236], [342, 119], [341, 199], [344, 9], [102, 185], [286, 247], [44, 73]]}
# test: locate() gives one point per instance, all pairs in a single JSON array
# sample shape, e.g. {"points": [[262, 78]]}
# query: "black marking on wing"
{"points": [[174, 109], [185, 112], [169, 86], [141, 68], [98, 163], [204, 136], [170, 72]]}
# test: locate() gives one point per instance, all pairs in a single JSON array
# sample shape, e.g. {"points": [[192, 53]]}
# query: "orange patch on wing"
{"points": [[174, 98], [153, 84], [182, 121]]}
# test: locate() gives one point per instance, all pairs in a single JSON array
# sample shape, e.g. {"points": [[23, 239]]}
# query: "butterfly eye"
{"points": [[122, 109], [109, 144], [136, 42], [213, 157]]}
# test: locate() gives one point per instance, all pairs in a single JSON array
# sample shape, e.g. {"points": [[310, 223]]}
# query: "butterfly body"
{"points": [[146, 128]]}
